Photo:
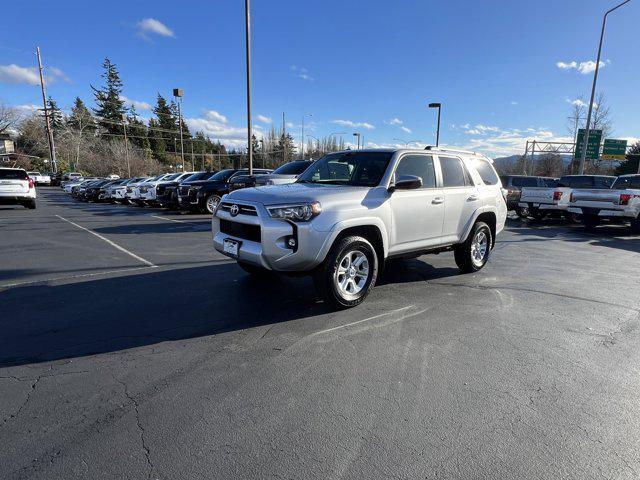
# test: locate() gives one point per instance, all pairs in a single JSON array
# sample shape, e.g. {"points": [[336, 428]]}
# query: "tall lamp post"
{"points": [[178, 93], [439, 107], [126, 144], [247, 24], [583, 155], [358, 135]]}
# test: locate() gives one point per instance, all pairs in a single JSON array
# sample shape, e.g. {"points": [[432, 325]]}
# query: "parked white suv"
{"points": [[352, 210], [16, 188]]}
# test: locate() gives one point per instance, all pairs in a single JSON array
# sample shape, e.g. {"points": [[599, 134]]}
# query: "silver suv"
{"points": [[352, 210]]}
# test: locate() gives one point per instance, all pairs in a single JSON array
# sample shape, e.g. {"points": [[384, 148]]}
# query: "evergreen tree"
{"points": [[156, 141], [55, 116], [110, 106], [137, 130], [286, 147], [630, 165], [80, 117]]}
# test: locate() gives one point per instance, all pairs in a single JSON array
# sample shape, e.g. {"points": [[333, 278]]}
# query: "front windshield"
{"points": [[222, 175], [364, 169]]}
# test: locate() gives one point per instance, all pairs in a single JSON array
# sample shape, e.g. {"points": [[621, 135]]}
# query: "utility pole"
{"points": [[524, 164], [126, 145], [52, 146], [247, 23], [583, 156], [193, 160], [284, 139], [178, 93], [533, 152]]}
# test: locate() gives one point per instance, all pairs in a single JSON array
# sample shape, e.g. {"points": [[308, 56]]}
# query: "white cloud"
{"points": [[407, 130], [513, 102], [29, 75], [394, 121], [582, 67], [479, 129], [215, 116], [16, 74], [153, 26], [302, 73], [349, 123], [136, 103], [510, 141], [263, 119]]}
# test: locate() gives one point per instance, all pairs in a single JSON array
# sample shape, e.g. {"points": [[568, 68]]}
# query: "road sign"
{"points": [[593, 146], [614, 149]]}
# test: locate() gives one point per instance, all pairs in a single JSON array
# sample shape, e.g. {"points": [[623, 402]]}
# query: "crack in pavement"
{"points": [[134, 402]]}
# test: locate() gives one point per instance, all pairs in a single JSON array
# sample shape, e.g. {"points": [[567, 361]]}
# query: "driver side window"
{"points": [[419, 166]]}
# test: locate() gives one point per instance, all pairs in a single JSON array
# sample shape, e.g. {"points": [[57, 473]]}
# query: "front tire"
{"points": [[474, 253], [211, 203], [348, 273]]}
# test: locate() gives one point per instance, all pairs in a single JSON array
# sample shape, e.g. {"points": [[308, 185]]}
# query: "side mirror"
{"points": [[406, 182]]}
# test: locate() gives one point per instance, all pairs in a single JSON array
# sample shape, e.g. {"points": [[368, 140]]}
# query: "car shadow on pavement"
{"points": [[113, 314], [155, 227]]}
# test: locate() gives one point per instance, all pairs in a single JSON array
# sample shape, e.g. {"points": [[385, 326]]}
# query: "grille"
{"points": [[241, 230], [243, 209], [184, 190]]}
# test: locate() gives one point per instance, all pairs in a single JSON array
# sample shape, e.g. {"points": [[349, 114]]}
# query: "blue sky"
{"points": [[355, 66]]}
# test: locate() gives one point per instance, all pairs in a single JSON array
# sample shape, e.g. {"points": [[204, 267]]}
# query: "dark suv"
{"points": [[514, 185], [204, 195]]}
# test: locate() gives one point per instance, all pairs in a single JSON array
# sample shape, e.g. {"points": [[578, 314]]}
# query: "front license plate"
{"points": [[231, 247]]}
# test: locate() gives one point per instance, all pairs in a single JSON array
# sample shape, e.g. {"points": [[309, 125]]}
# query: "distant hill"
{"points": [[502, 162]]}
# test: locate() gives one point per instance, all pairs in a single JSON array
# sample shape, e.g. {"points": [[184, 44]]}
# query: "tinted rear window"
{"points": [[627, 182], [13, 175], [292, 168], [525, 182], [486, 171]]}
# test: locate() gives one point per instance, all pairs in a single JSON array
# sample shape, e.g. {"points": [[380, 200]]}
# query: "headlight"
{"points": [[302, 212]]}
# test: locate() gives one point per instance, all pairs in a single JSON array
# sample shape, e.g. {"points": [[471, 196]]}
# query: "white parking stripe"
{"points": [[167, 218], [403, 309], [113, 244]]}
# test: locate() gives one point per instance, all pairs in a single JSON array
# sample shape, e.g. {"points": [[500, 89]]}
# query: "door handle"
{"points": [[437, 200], [472, 198]]}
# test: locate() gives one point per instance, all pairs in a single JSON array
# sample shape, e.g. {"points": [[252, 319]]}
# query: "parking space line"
{"points": [[170, 219], [72, 277], [113, 244], [403, 309]]}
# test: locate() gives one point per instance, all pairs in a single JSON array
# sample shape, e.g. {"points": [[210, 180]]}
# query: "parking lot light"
{"points": [[439, 107]]}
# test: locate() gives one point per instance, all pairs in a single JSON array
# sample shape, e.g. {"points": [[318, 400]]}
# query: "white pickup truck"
{"points": [[40, 178], [620, 203], [542, 201]]}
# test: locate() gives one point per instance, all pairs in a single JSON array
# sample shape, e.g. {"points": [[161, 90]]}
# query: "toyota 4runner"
{"points": [[351, 211]]}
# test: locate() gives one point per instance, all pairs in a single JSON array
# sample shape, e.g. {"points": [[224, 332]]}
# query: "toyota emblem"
{"points": [[234, 210]]}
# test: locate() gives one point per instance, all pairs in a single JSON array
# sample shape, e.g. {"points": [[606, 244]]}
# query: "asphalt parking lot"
{"points": [[130, 349]]}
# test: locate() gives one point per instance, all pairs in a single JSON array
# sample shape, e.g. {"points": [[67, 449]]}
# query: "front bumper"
{"points": [[272, 251]]}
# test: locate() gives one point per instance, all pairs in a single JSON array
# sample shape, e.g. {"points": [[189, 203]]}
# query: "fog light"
{"points": [[291, 242]]}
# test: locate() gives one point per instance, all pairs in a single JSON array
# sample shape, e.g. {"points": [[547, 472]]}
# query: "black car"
{"points": [[167, 192], [91, 193], [246, 181], [204, 195]]}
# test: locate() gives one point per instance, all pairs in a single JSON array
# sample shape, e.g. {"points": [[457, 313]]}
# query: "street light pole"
{"points": [[302, 142], [357, 135], [583, 156], [126, 144], [178, 94], [439, 107], [247, 23]]}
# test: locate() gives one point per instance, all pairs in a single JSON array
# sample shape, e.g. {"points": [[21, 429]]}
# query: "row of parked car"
{"points": [[591, 199], [192, 191]]}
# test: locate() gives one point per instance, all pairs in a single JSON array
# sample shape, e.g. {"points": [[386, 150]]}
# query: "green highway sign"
{"points": [[593, 145], [614, 149]]}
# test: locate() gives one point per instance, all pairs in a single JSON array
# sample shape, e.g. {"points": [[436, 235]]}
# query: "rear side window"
{"points": [[603, 182], [577, 181], [420, 166], [486, 171], [13, 175], [453, 172], [550, 182], [525, 182], [627, 182]]}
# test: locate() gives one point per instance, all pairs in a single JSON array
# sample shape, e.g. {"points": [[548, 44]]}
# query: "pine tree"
{"points": [[55, 116], [156, 141], [630, 165], [286, 147], [110, 106], [80, 117], [137, 130]]}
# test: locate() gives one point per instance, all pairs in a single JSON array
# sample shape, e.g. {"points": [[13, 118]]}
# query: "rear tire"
{"points": [[522, 212], [348, 273], [474, 253], [31, 205], [635, 225]]}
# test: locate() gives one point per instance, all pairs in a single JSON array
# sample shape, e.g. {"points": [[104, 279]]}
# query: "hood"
{"points": [[195, 183], [327, 195]]}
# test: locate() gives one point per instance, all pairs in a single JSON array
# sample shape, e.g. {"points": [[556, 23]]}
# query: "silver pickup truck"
{"points": [[620, 203], [542, 201]]}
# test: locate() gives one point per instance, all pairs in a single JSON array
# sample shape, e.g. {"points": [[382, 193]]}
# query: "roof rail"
{"points": [[454, 150]]}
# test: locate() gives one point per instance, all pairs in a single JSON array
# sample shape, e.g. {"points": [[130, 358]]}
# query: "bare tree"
{"points": [[9, 118], [601, 116], [577, 117], [549, 165]]}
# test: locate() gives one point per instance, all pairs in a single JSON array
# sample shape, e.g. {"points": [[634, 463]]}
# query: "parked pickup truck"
{"points": [[40, 178], [619, 203], [351, 211], [542, 201]]}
